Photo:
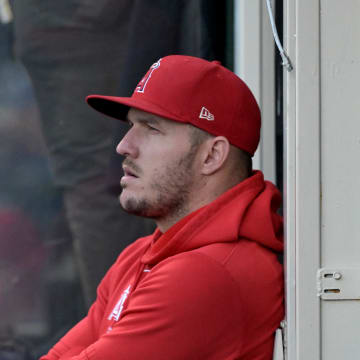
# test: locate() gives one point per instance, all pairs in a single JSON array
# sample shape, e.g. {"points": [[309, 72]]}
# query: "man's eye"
{"points": [[152, 128]]}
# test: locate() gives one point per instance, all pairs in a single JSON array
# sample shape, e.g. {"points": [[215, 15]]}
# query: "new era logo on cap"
{"points": [[206, 114]]}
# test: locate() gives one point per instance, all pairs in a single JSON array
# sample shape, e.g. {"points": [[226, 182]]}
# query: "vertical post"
{"points": [[340, 172], [254, 63], [302, 178]]}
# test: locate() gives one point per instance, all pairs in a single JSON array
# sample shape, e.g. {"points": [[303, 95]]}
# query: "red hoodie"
{"points": [[210, 288]]}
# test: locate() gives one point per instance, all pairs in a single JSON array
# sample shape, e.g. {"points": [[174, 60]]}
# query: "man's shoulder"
{"points": [[193, 279], [244, 264], [193, 269]]}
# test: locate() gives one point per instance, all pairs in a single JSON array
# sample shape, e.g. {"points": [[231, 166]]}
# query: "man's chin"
{"points": [[133, 206], [126, 203]]}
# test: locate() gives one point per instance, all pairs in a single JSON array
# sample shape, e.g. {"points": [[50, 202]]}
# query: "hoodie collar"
{"points": [[248, 210]]}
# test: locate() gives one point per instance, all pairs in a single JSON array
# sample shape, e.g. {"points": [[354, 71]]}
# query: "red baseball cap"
{"points": [[193, 91]]}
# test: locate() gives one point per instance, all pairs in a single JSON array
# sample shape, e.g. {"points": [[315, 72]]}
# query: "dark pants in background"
{"points": [[72, 48]]}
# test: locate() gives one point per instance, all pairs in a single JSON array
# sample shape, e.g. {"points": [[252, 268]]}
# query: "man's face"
{"points": [[159, 166]]}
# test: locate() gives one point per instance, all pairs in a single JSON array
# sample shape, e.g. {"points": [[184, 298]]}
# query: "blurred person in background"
{"points": [[72, 48]]}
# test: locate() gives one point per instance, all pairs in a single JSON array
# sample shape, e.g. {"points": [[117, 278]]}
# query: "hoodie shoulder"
{"points": [[228, 294]]}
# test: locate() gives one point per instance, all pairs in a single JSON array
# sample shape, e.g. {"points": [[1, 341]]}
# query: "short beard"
{"points": [[172, 192]]}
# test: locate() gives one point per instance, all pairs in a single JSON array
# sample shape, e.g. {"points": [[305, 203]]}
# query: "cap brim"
{"points": [[118, 107], [112, 106]]}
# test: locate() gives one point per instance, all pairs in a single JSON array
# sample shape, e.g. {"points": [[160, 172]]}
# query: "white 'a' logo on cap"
{"points": [[142, 84], [206, 114]]}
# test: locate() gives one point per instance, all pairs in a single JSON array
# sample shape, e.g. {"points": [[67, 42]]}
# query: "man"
{"points": [[207, 283]]}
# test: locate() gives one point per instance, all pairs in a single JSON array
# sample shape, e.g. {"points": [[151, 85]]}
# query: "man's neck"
{"points": [[197, 202], [205, 193], [165, 223]]}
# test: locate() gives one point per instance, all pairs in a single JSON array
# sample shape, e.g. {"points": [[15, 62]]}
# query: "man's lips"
{"points": [[128, 178], [131, 169], [129, 172]]}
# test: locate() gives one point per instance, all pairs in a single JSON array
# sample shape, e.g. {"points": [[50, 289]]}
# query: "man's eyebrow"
{"points": [[144, 120]]}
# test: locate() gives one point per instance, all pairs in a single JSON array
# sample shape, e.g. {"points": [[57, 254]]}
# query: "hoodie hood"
{"points": [[248, 210]]}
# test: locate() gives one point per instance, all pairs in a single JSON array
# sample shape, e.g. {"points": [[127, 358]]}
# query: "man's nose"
{"points": [[127, 146]]}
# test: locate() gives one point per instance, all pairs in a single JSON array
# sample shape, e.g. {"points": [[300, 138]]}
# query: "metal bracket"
{"points": [[338, 284]]}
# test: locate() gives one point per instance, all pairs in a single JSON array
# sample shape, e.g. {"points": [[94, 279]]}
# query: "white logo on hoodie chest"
{"points": [[116, 312]]}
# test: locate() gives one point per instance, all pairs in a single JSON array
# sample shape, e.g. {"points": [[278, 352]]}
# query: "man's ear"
{"points": [[215, 153]]}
